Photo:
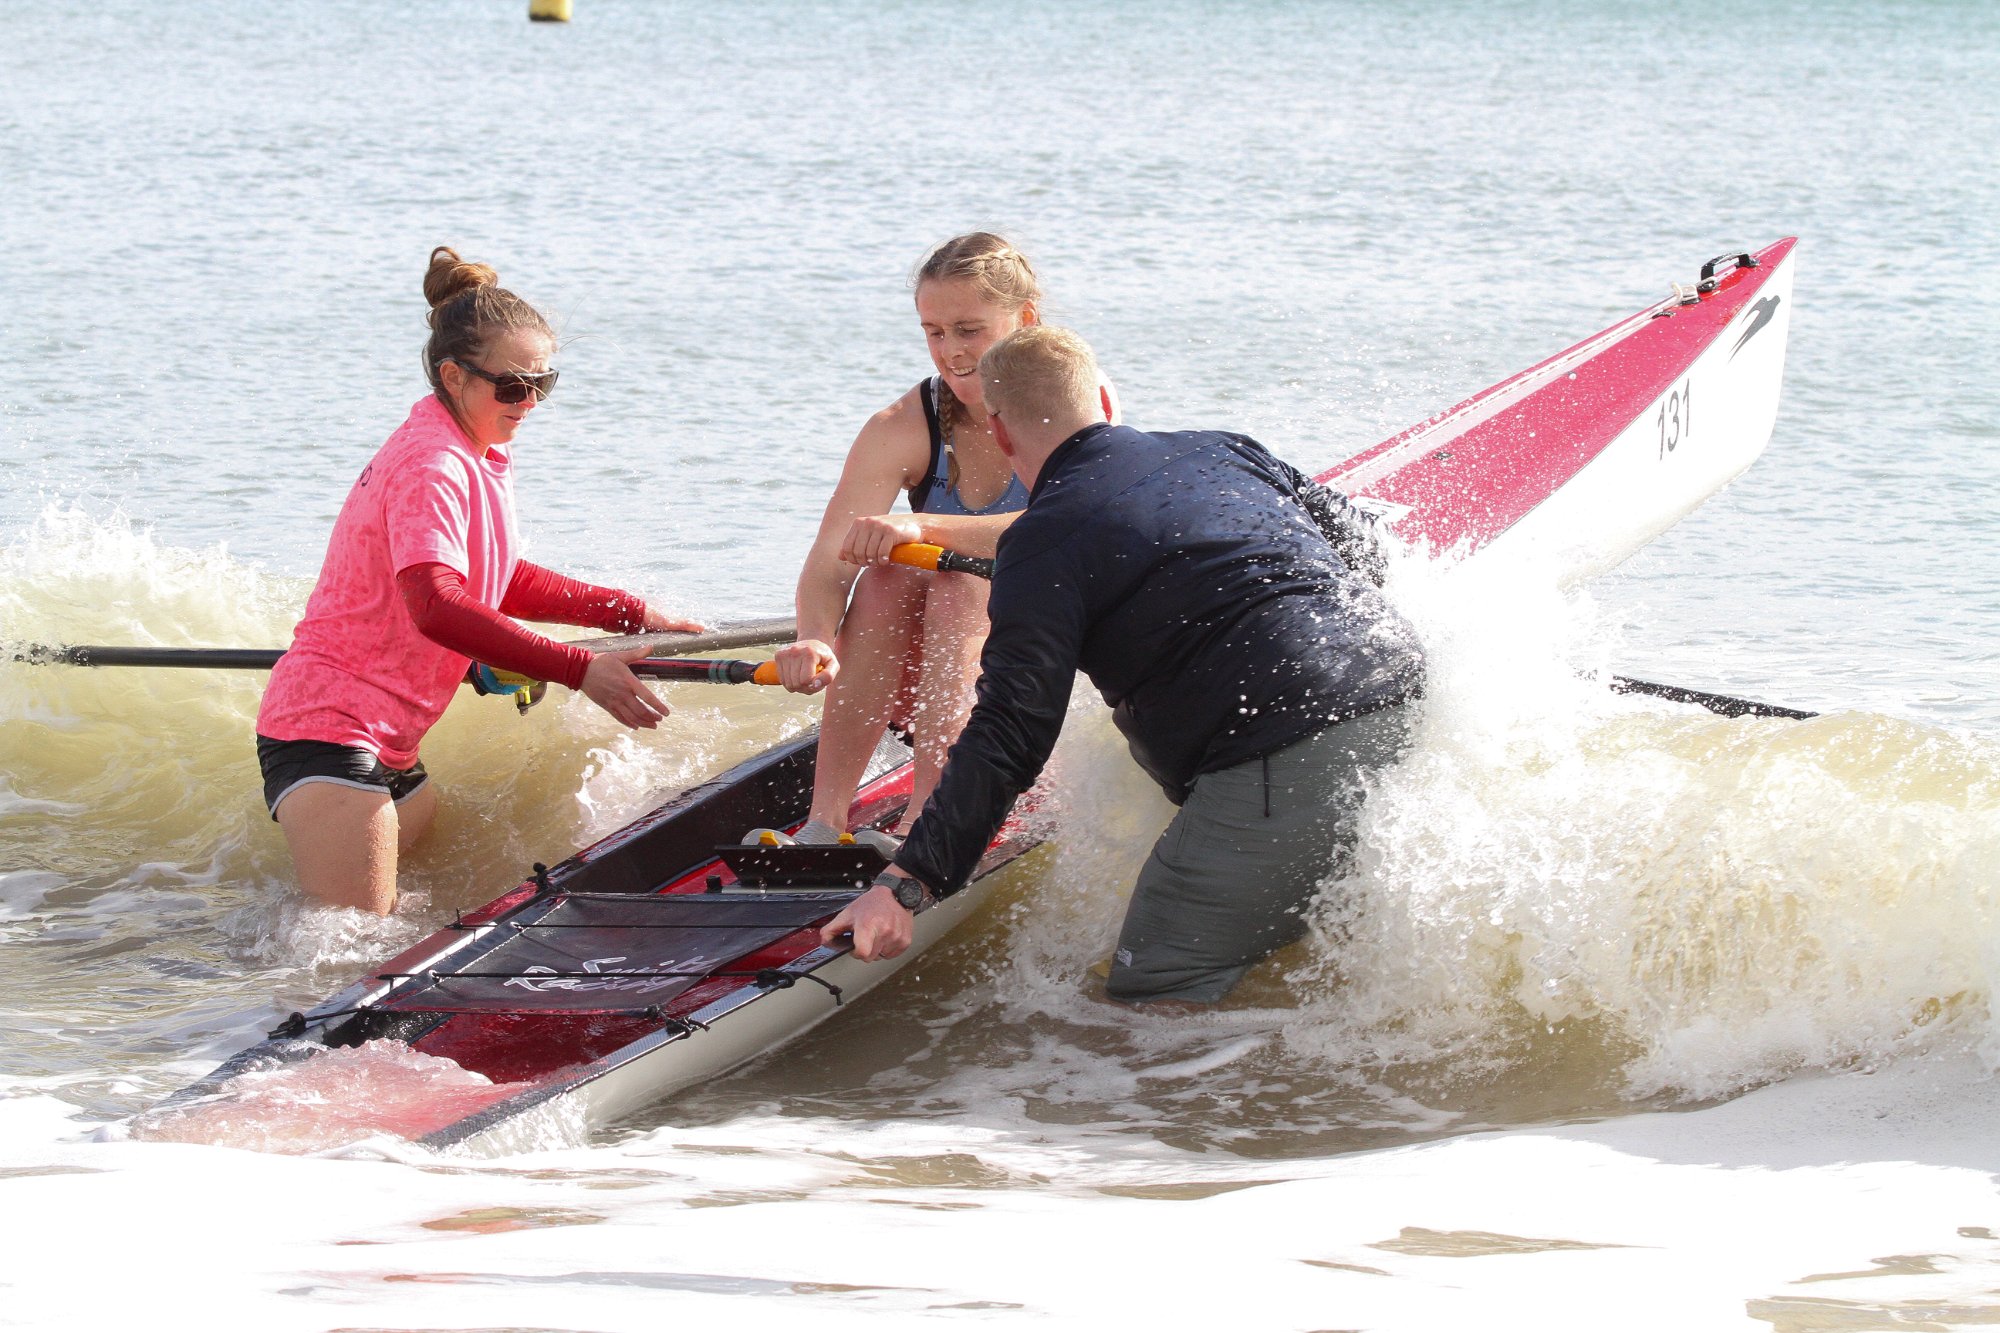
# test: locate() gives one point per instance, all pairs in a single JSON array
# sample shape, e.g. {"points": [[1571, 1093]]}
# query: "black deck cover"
{"points": [[612, 951], [802, 865]]}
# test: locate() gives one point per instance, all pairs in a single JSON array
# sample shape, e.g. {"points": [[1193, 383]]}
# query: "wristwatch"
{"points": [[909, 893]]}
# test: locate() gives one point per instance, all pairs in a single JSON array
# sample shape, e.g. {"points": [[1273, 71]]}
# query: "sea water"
{"points": [[1578, 919]]}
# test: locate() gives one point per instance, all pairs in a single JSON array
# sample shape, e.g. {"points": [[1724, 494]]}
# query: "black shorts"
{"points": [[289, 765]]}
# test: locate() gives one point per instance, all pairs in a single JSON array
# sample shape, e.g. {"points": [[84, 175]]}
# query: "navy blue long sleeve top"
{"points": [[1224, 605]]}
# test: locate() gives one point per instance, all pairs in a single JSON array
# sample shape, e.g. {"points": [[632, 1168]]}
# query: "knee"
{"points": [[962, 597], [1195, 970], [885, 590], [1142, 976]]}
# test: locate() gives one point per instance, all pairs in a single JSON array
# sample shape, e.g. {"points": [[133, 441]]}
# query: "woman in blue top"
{"points": [[904, 648]]}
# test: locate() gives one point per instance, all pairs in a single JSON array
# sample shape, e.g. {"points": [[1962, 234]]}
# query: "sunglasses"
{"points": [[513, 387]]}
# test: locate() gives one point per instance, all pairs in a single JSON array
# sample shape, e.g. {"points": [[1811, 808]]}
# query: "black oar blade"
{"points": [[97, 654], [1724, 705]]}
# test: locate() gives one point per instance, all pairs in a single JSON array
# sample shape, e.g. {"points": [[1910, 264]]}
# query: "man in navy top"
{"points": [[1228, 609]]}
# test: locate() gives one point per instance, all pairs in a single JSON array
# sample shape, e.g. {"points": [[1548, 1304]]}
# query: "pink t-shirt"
{"points": [[358, 671]]}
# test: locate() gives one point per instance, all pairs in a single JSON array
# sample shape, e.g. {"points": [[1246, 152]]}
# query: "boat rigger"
{"points": [[646, 963]]}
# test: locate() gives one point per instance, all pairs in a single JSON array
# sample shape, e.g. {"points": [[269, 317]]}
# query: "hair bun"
{"points": [[449, 277]]}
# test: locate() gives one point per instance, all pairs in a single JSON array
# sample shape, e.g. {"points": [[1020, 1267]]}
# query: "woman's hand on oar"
{"points": [[885, 539], [806, 667], [609, 683], [873, 538]]}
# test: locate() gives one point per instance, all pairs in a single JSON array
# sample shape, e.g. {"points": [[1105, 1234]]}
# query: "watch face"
{"points": [[909, 893]]}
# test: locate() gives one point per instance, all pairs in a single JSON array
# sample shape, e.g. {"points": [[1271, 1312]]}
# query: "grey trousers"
{"points": [[1230, 879]]}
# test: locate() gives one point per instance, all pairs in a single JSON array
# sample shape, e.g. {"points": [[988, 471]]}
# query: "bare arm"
{"points": [[889, 455], [871, 537]]}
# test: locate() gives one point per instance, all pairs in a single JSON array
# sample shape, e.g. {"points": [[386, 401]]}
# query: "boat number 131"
{"points": [[1676, 419]]}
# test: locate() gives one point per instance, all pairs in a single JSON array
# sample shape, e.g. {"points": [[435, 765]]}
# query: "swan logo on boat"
{"points": [[538, 978], [1388, 511], [1760, 315]]}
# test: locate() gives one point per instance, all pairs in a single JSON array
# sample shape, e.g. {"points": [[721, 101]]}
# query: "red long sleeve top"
{"points": [[437, 601]]}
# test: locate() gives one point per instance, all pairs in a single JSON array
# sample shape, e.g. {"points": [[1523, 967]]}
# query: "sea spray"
{"points": [[1565, 900], [1715, 903], [331, 1099], [135, 850]]}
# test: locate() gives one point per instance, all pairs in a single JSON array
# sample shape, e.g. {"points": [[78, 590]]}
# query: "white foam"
{"points": [[1849, 1198]]}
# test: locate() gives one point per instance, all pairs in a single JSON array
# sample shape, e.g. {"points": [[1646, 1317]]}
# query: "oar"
{"points": [[97, 654], [1726, 705], [704, 670], [668, 643], [783, 629], [925, 556], [922, 555], [739, 634], [919, 555]]}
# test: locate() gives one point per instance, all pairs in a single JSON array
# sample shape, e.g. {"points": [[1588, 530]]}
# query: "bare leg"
{"points": [[877, 646], [343, 843], [415, 816], [954, 633]]}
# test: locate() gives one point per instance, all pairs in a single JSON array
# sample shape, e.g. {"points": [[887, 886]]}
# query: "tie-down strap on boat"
{"points": [[770, 978], [613, 953]]}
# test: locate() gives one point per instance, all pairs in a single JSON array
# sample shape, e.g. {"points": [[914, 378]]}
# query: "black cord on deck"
{"points": [[296, 1025], [773, 979]]}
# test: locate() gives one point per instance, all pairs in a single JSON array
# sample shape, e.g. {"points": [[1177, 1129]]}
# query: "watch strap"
{"points": [[908, 891]]}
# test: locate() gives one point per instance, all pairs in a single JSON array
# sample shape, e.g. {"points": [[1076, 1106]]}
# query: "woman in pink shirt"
{"points": [[420, 579]]}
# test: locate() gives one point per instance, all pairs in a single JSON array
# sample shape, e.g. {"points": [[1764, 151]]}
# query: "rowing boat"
{"points": [[646, 963]]}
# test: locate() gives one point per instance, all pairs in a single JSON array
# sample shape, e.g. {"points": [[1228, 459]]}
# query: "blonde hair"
{"points": [[1038, 375], [469, 308], [999, 273]]}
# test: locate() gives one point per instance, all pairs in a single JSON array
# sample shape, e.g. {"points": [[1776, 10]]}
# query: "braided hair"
{"points": [[999, 274]]}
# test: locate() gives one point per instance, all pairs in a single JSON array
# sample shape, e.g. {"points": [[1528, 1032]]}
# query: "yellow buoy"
{"points": [[549, 11]]}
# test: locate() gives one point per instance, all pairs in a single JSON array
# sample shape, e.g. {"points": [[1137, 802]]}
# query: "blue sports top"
{"points": [[935, 494]]}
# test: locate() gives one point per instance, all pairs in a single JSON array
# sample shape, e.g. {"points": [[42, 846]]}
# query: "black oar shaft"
{"points": [[716, 671], [923, 555], [666, 643], [978, 565], [738, 634]]}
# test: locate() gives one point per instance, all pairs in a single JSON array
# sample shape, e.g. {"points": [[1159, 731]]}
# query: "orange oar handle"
{"points": [[767, 672], [710, 670], [922, 555]]}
